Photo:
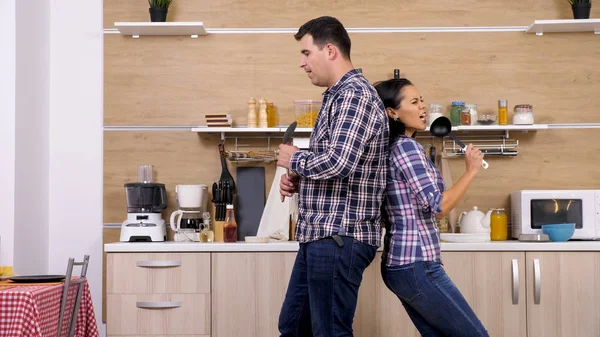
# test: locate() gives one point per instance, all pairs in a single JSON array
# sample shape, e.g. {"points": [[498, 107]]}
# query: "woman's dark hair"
{"points": [[390, 92], [324, 30]]}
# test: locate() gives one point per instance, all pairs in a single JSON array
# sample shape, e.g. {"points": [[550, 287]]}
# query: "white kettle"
{"points": [[475, 221]]}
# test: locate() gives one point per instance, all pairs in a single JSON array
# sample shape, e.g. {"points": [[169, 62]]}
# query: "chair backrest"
{"points": [[63, 303]]}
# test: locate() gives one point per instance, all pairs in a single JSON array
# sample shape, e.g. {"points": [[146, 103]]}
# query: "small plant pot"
{"points": [[581, 10], [160, 14]]}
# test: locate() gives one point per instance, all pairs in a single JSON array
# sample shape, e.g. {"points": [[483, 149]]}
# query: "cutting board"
{"points": [[276, 216], [250, 200]]}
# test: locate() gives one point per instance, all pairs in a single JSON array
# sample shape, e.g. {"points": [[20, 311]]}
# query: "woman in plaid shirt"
{"points": [[415, 199]]}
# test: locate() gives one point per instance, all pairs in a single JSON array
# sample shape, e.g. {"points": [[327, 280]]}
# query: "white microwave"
{"points": [[530, 209]]}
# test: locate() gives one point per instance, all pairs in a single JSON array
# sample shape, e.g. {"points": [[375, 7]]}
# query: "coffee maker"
{"points": [[145, 202], [187, 221]]}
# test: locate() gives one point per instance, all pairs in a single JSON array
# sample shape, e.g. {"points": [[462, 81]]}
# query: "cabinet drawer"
{"points": [[158, 273], [163, 314]]}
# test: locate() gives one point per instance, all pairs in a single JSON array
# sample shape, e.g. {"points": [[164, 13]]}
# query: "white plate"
{"points": [[257, 239], [465, 237]]}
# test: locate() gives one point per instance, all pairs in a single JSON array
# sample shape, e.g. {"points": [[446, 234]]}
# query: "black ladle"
{"points": [[441, 127]]}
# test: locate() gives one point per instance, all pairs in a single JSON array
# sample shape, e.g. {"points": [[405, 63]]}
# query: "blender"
{"points": [[145, 202], [186, 222]]}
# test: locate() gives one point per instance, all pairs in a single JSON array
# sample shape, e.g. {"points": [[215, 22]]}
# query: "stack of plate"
{"points": [[465, 237]]}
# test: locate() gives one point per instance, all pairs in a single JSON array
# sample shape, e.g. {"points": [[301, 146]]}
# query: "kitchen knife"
{"points": [[289, 133]]}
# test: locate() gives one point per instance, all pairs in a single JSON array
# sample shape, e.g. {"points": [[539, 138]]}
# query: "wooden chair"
{"points": [[63, 304]]}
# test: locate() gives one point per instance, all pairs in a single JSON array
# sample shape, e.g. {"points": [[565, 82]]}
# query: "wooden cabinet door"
{"points": [[563, 294], [484, 278], [247, 292], [379, 312], [494, 285]]}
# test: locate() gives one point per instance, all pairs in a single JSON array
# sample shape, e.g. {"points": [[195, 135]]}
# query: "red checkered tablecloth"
{"points": [[33, 310]]}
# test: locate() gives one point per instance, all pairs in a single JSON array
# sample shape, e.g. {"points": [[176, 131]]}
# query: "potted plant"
{"points": [[158, 10], [581, 8]]}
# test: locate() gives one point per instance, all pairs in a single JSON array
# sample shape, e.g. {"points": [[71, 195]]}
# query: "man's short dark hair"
{"points": [[324, 30]]}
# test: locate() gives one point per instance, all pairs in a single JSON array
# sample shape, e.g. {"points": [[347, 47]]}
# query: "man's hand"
{"points": [[285, 154], [288, 185]]}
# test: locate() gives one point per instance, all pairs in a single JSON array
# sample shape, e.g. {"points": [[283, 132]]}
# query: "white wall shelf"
{"points": [[539, 27], [136, 29]]}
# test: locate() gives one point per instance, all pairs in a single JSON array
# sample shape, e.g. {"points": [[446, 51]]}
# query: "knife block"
{"points": [[218, 227], [218, 230]]}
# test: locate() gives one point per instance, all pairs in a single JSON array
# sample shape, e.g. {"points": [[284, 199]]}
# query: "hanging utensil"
{"points": [[441, 127], [225, 175]]}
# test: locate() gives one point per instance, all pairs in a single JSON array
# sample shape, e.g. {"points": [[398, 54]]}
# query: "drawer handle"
{"points": [[515, 283], [537, 281], [158, 264], [158, 305]]}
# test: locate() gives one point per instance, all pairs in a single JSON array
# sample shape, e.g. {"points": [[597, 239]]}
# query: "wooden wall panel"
{"points": [[179, 157], [176, 80], [353, 13]]}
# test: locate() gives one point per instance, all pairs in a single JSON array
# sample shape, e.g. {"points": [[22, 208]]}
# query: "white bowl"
{"points": [[257, 239]]}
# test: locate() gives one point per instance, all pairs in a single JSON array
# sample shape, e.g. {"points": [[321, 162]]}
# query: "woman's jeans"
{"points": [[323, 290], [432, 301]]}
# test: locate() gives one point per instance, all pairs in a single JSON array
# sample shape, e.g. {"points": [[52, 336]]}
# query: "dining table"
{"points": [[33, 309]]}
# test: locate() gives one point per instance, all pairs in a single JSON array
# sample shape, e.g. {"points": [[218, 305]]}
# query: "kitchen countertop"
{"points": [[292, 246]]}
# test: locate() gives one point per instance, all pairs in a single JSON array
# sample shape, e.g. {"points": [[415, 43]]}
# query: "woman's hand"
{"points": [[473, 158]]}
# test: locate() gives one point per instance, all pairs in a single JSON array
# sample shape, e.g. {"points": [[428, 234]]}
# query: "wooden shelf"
{"points": [[539, 27], [243, 129], [136, 29]]}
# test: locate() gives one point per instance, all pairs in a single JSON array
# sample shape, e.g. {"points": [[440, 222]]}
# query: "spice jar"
{"points": [[457, 107], [474, 113], [465, 116]]}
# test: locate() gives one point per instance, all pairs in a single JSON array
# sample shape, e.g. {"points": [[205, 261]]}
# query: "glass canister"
{"points": [[498, 225], [457, 107], [435, 111], [523, 114]]}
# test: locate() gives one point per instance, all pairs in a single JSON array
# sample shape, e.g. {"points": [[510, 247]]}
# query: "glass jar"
{"points": [[473, 109], [457, 107], [523, 114], [502, 112], [435, 111], [498, 225], [465, 116]]}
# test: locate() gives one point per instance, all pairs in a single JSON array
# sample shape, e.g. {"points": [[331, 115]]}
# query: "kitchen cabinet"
{"points": [[248, 290], [158, 293], [516, 293], [487, 280], [494, 285], [563, 294]]}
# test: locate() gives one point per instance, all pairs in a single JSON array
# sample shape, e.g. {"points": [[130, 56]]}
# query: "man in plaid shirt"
{"points": [[340, 182]]}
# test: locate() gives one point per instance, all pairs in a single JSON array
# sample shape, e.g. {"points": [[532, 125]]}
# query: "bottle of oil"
{"points": [[207, 234], [230, 228], [502, 112]]}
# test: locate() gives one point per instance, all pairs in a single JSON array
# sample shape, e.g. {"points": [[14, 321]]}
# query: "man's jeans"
{"points": [[434, 304], [323, 289]]}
